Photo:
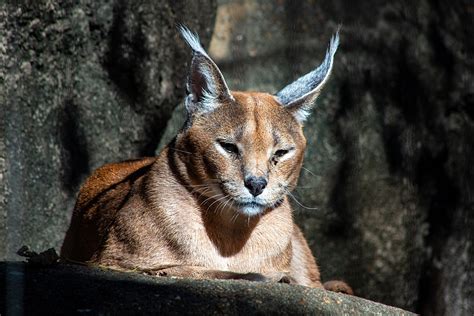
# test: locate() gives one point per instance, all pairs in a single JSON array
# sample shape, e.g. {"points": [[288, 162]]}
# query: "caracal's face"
{"points": [[246, 154], [245, 149]]}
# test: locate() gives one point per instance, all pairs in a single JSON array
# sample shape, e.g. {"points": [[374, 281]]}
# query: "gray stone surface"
{"points": [[70, 290], [388, 162], [82, 83]]}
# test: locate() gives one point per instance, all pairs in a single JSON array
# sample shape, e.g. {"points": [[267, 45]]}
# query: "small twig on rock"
{"points": [[48, 257]]}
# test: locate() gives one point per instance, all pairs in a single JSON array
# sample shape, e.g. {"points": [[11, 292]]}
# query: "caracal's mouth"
{"points": [[253, 208], [219, 199], [250, 208], [246, 204]]}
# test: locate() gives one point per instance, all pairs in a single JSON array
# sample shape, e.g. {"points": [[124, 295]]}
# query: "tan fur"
{"points": [[159, 214]]}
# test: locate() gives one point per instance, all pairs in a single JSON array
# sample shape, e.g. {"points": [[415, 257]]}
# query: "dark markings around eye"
{"points": [[229, 147], [276, 138], [280, 153]]}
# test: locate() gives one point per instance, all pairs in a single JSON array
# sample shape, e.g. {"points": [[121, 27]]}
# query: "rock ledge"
{"points": [[70, 289]]}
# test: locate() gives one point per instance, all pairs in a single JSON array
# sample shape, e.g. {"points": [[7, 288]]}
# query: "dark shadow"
{"points": [[340, 226], [75, 162], [423, 155], [154, 128], [228, 240], [77, 290], [122, 60], [293, 32]]}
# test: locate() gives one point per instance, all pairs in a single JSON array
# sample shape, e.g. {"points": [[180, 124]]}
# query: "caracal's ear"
{"points": [[206, 85], [300, 95]]}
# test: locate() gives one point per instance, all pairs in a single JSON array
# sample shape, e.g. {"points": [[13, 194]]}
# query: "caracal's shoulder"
{"points": [[112, 174]]}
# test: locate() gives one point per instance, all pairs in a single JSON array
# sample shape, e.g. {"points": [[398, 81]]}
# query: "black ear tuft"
{"points": [[206, 85], [301, 94]]}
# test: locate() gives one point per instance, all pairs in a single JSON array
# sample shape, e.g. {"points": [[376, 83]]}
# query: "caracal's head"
{"points": [[243, 150]]}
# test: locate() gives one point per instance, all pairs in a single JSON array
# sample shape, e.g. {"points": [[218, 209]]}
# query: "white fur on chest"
{"points": [[263, 244]]}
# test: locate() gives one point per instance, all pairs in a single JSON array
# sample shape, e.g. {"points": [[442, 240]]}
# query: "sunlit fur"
{"points": [[259, 126], [187, 212]]}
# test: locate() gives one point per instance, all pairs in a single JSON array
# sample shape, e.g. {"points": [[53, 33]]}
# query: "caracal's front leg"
{"points": [[198, 272]]}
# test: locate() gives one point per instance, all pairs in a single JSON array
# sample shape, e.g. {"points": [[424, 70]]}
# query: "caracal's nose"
{"points": [[255, 185]]}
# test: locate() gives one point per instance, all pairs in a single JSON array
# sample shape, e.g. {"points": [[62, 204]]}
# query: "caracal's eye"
{"points": [[229, 147], [280, 153]]}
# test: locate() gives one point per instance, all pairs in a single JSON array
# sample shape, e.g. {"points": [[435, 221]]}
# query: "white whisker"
{"points": [[217, 201], [181, 151], [234, 217], [310, 172], [210, 198], [299, 203]]}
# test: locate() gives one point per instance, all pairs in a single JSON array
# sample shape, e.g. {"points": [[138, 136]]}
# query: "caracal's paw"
{"points": [[338, 286]]}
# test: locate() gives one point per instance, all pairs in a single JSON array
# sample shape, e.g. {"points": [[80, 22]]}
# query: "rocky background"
{"points": [[387, 195]]}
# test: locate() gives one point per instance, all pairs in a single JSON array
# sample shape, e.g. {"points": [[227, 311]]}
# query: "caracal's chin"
{"points": [[250, 209]]}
